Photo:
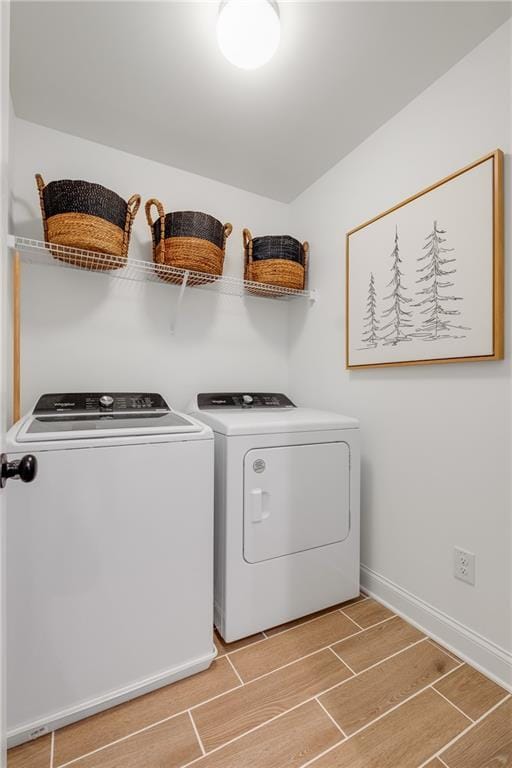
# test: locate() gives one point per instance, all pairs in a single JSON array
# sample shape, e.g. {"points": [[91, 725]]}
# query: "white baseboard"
{"points": [[56, 720], [486, 656]]}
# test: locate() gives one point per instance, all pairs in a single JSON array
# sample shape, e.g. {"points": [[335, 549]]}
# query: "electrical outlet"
{"points": [[464, 565]]}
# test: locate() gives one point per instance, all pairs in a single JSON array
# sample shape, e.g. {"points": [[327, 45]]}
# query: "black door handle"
{"points": [[24, 469]]}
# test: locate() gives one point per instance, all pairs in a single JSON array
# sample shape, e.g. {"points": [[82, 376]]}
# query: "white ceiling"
{"points": [[147, 77]]}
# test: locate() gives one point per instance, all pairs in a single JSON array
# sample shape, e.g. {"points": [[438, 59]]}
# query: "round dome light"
{"points": [[248, 31]]}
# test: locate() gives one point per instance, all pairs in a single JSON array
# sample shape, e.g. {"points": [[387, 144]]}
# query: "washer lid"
{"points": [[41, 428], [101, 415], [256, 421]]}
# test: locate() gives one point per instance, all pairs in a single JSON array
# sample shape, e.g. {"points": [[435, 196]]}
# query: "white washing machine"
{"points": [[109, 556], [286, 509]]}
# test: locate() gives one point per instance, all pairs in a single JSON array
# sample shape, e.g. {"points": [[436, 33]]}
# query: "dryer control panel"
{"points": [[207, 401]]}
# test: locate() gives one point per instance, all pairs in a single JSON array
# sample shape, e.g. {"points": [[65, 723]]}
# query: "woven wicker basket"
{"points": [[277, 260], [191, 240], [90, 217]]}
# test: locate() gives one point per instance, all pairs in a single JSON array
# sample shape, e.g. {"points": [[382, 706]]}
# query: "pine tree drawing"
{"points": [[400, 317], [371, 324], [437, 323]]}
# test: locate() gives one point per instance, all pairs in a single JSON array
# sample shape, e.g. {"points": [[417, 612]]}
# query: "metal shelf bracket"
{"points": [[177, 306]]}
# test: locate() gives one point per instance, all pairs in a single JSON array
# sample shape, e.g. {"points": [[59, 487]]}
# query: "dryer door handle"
{"points": [[258, 514]]}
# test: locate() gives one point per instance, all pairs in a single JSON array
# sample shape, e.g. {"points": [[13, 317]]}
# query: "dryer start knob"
{"points": [[248, 399], [106, 401]]}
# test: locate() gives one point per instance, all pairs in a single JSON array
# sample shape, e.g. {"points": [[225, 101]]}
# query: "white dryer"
{"points": [[286, 509], [109, 556]]}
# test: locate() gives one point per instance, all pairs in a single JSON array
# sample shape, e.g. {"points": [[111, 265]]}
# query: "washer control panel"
{"points": [[97, 403], [207, 401]]}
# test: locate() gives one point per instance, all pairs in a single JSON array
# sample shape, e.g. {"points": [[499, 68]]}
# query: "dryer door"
{"points": [[295, 498]]}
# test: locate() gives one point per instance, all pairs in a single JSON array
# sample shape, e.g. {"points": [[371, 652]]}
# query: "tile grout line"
{"points": [[391, 656], [331, 718], [372, 722], [340, 659], [251, 645], [463, 733], [199, 740], [237, 687], [351, 619], [451, 702], [443, 762], [235, 670]]}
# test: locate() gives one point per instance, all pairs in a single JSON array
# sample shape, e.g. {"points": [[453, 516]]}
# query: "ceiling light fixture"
{"points": [[248, 31]]}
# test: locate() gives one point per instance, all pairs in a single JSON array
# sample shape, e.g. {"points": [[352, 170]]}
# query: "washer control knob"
{"points": [[106, 401], [248, 399]]}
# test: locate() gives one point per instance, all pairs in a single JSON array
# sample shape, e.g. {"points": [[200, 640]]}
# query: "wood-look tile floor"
{"points": [[350, 687]]}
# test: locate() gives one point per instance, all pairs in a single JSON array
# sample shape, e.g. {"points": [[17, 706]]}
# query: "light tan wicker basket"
{"points": [[278, 272], [188, 240], [90, 217]]}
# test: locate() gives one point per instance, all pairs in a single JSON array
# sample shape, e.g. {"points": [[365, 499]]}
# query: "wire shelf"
{"points": [[114, 267]]}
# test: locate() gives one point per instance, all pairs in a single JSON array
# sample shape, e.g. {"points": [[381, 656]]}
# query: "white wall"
{"points": [[85, 332], [436, 439]]}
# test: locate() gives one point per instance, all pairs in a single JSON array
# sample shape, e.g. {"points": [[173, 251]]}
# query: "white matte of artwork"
{"points": [[421, 277]]}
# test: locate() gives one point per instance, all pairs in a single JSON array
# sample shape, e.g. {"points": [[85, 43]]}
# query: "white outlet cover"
{"points": [[464, 565]]}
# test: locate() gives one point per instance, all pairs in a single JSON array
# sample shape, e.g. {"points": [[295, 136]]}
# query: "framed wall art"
{"points": [[424, 280]]}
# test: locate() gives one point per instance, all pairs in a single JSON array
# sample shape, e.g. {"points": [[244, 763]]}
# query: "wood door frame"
{"points": [[5, 111]]}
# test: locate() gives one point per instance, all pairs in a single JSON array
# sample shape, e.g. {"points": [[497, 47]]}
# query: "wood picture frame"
{"points": [[427, 340]]}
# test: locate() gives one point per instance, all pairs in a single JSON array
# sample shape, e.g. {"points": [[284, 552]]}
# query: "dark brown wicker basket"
{"points": [[277, 260], [191, 240], [90, 217]]}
